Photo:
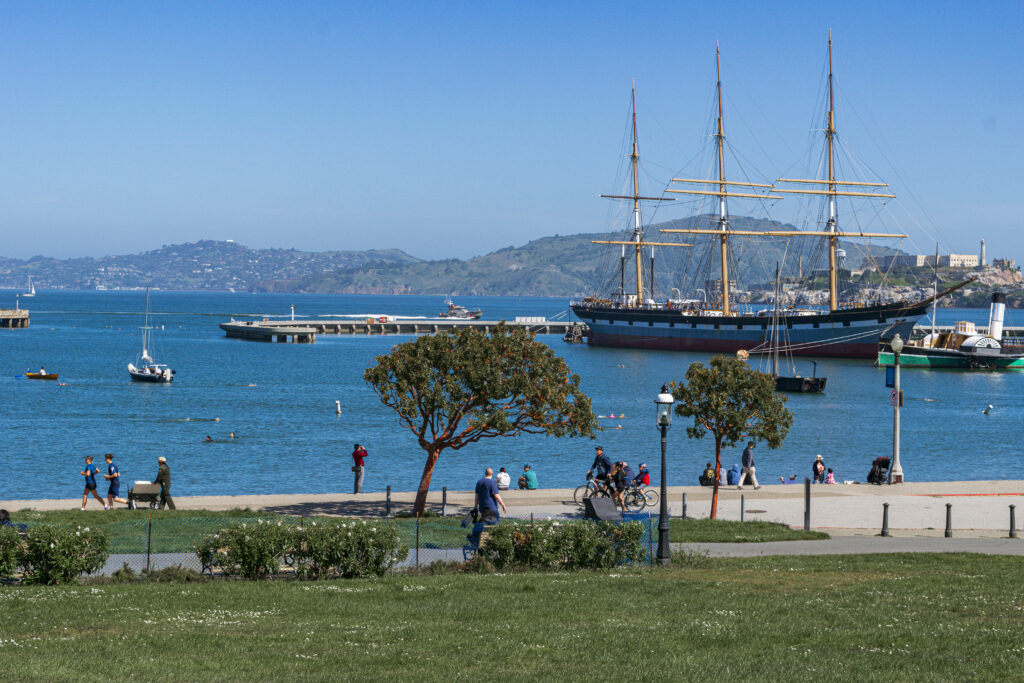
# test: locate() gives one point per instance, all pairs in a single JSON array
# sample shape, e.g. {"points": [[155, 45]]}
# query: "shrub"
{"points": [[346, 549], [562, 545], [11, 548], [55, 554], [252, 550]]}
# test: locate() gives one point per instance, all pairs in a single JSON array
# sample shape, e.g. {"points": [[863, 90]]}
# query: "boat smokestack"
{"points": [[995, 316]]}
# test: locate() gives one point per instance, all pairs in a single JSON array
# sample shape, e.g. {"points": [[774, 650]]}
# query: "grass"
{"points": [[730, 531], [864, 618]]}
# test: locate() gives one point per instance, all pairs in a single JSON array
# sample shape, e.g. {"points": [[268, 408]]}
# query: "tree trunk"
{"points": [[718, 472], [428, 472]]}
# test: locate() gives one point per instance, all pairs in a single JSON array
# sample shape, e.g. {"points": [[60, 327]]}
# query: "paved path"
{"points": [[858, 545]]}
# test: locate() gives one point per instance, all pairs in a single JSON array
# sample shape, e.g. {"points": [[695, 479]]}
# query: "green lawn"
{"points": [[863, 618], [729, 531]]}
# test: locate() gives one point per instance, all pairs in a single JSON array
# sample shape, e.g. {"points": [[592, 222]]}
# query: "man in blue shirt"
{"points": [[90, 473], [748, 467], [113, 476], [487, 499], [602, 465]]}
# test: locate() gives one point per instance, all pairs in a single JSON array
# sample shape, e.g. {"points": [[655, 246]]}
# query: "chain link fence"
{"points": [[153, 543]]}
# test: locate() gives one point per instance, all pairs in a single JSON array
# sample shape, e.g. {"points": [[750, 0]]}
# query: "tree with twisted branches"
{"points": [[454, 388], [731, 401]]}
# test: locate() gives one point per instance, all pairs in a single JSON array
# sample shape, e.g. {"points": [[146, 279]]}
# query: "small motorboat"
{"points": [[40, 375], [457, 311]]}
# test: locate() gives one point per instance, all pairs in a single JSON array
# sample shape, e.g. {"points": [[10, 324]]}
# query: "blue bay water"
{"points": [[279, 400]]}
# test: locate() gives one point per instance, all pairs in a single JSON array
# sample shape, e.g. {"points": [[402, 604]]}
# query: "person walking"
{"points": [[748, 467], [163, 477], [818, 470], [359, 466], [113, 477], [486, 500], [90, 473]]}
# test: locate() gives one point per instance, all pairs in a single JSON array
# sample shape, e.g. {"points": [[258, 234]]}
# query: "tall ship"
{"points": [[714, 322]]}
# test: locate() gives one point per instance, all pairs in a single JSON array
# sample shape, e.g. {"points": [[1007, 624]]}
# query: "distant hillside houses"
{"points": [[922, 260]]}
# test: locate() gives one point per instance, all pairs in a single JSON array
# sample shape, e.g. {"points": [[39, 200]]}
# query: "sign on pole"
{"points": [[894, 397], [890, 376]]}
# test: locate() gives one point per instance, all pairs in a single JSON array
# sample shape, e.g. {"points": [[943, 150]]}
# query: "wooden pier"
{"points": [[14, 318], [306, 331]]}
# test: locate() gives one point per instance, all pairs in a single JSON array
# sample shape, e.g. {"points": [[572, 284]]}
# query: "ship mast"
{"points": [[637, 239], [723, 230], [832, 231]]}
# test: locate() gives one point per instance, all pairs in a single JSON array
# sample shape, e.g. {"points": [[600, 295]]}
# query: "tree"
{"points": [[731, 401], [457, 387]]}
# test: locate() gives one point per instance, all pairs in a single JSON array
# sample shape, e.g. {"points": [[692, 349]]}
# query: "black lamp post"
{"points": [[664, 403]]}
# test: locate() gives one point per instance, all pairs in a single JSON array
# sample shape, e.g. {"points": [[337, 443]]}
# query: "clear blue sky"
{"points": [[456, 128]]}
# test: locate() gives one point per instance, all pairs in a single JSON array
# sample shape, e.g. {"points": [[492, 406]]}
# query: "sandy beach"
{"points": [[980, 508]]}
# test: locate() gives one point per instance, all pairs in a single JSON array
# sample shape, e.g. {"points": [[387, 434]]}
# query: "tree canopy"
{"points": [[731, 401], [454, 388]]}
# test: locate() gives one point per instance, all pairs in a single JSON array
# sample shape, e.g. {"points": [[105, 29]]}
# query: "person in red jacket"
{"points": [[358, 466], [643, 477]]}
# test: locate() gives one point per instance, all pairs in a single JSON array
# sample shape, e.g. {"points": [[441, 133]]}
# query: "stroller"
{"points": [[879, 473], [143, 492]]}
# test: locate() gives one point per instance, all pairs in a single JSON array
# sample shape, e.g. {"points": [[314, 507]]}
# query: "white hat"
{"points": [[161, 459], [818, 457]]}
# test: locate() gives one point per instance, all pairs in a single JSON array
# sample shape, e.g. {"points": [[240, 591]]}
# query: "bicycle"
{"points": [[590, 490]]}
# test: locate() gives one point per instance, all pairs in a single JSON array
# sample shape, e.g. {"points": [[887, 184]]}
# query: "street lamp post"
{"points": [[664, 403], [896, 472]]}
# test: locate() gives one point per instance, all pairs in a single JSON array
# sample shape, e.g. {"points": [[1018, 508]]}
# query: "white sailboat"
{"points": [[31, 288], [148, 370]]}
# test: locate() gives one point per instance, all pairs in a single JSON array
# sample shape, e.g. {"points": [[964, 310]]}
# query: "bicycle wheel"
{"points": [[651, 496], [634, 501], [581, 492]]}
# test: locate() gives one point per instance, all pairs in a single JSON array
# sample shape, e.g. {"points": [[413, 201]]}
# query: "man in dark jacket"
{"points": [[748, 467], [163, 477], [602, 467]]}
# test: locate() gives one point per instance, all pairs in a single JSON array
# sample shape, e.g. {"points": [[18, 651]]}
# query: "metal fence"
{"points": [[152, 543]]}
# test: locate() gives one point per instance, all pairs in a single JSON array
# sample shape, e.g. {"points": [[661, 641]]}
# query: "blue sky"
{"points": [[456, 128]]}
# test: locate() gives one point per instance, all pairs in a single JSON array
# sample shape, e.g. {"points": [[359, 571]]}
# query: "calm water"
{"points": [[279, 400]]}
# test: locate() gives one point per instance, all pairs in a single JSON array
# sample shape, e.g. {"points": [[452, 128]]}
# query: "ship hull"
{"points": [[942, 358], [847, 333]]}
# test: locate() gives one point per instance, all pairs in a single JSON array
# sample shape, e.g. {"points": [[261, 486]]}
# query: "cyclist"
{"points": [[643, 477], [621, 483], [603, 467]]}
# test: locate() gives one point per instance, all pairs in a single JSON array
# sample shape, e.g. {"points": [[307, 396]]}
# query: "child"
{"points": [[90, 473], [830, 478]]}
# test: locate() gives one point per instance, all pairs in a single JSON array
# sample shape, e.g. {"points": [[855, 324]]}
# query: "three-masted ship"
{"points": [[851, 329]]}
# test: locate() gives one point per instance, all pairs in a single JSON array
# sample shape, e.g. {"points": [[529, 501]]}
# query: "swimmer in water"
{"points": [[208, 439]]}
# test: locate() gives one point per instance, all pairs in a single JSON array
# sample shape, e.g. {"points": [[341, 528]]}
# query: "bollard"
{"points": [[417, 539], [949, 520], [684, 506], [1013, 522], [149, 540], [743, 505], [885, 519], [807, 504], [387, 504], [444, 501]]}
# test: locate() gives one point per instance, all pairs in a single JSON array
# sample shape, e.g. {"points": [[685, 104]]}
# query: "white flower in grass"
{"points": [[52, 545]]}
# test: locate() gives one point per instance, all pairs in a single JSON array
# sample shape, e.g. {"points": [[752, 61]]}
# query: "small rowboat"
{"points": [[39, 375]]}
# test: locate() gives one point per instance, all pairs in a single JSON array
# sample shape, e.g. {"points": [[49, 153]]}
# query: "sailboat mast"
{"points": [[723, 220], [638, 235], [935, 289], [775, 326], [830, 133]]}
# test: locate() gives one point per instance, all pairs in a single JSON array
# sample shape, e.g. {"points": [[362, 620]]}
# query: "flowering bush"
{"points": [[58, 554], [252, 550], [11, 548], [560, 545], [346, 549]]}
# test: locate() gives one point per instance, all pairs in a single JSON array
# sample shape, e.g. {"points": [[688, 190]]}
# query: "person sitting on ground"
{"points": [[503, 480], [707, 478], [643, 477], [528, 480], [818, 470], [732, 477], [830, 478]]}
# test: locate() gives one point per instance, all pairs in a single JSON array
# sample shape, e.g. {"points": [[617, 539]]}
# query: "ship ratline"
{"points": [[850, 329]]}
